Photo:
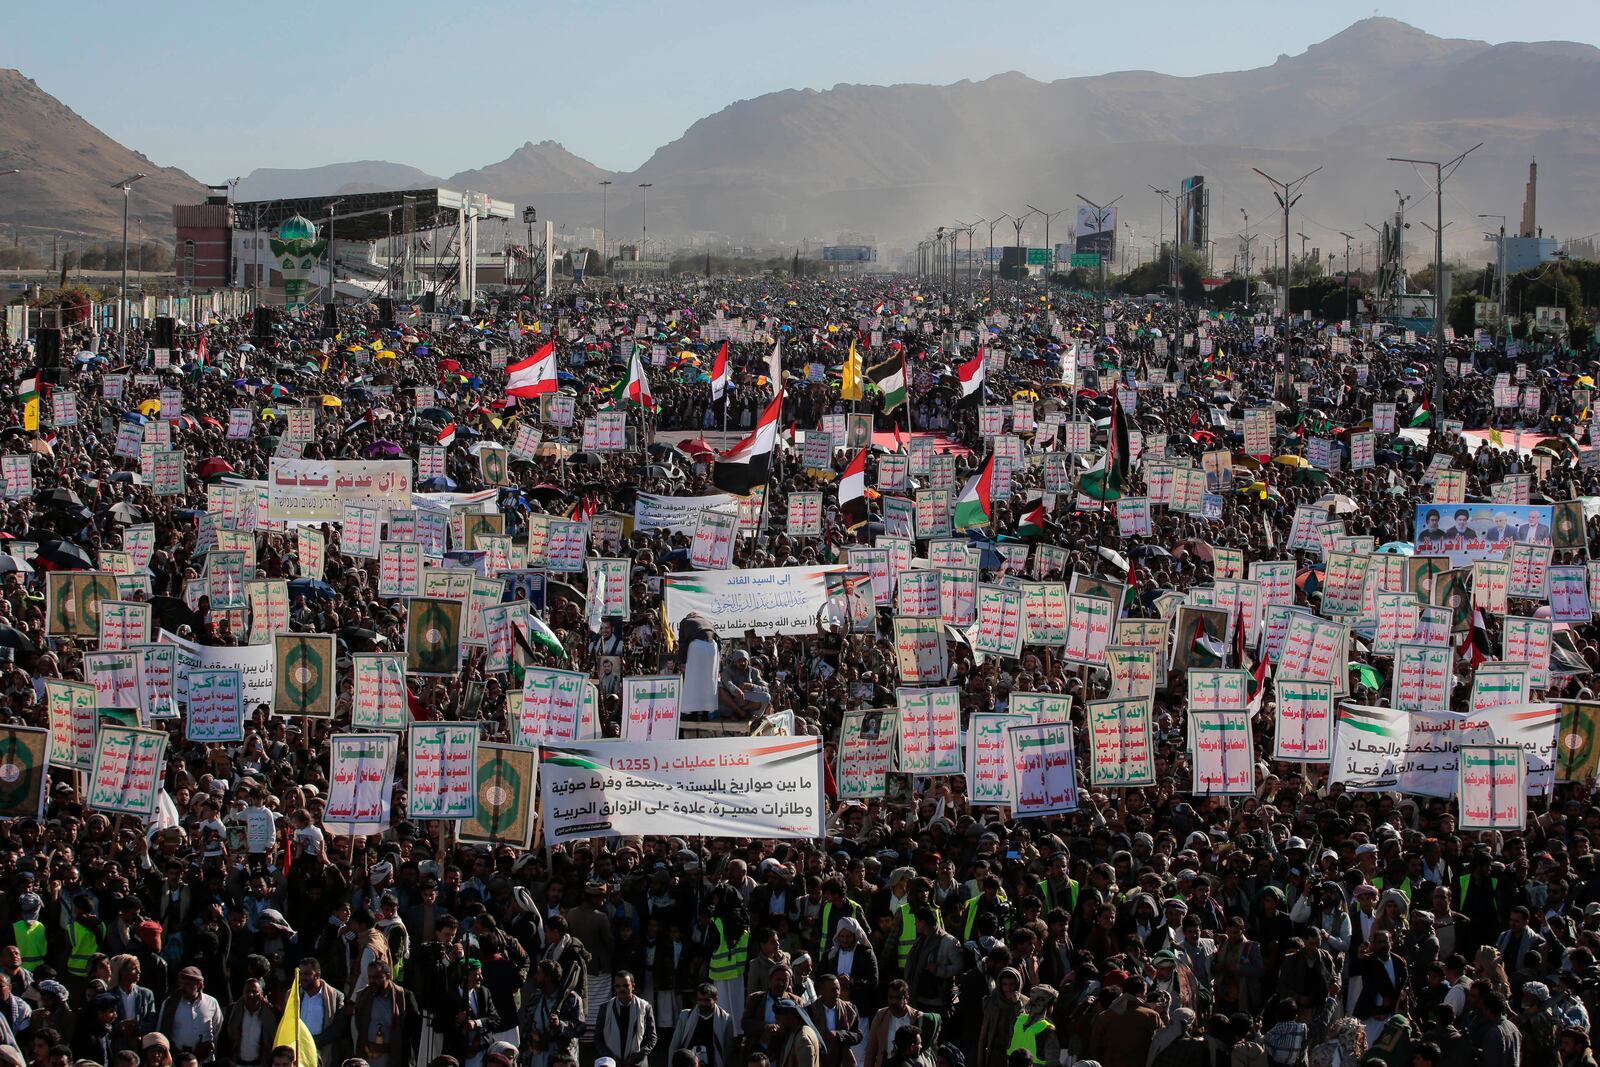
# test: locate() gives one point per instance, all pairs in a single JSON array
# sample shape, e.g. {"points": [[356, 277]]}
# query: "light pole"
{"points": [[644, 228], [1288, 195], [1017, 222], [1347, 239], [605, 193], [988, 253], [966, 228], [1439, 176], [1048, 215], [1165, 195], [126, 185], [1500, 270], [1246, 237], [333, 295], [1101, 215]]}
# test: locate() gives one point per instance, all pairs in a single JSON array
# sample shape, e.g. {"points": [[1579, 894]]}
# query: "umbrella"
{"points": [[361, 639], [697, 448], [547, 491], [1397, 548], [171, 612], [1341, 504], [127, 513], [439, 484], [61, 498], [58, 555], [1148, 552], [434, 414], [312, 587], [1113, 557], [215, 465], [1292, 461], [17, 641], [383, 448], [12, 565]]}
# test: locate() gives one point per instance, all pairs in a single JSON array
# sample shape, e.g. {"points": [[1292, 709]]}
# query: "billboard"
{"points": [[1196, 202], [849, 253], [1467, 532], [1097, 231]]}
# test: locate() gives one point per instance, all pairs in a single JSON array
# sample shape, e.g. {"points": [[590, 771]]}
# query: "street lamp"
{"points": [[333, 294], [1287, 194], [1101, 215], [605, 193], [1439, 176], [1500, 267], [1048, 215], [126, 185], [988, 253], [644, 229], [966, 228], [1017, 224]]}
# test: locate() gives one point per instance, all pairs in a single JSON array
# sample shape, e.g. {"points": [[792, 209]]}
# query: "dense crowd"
{"points": [[1304, 924]]}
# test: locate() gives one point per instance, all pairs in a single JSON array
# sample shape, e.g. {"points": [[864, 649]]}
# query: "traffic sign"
{"points": [[1086, 259]]}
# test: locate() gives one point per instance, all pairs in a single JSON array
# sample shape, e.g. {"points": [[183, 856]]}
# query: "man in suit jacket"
{"points": [[758, 1022], [898, 1007], [322, 1012], [706, 1017], [249, 1030], [625, 1029], [837, 1021], [1381, 976], [1534, 532], [398, 1040], [798, 1044]]}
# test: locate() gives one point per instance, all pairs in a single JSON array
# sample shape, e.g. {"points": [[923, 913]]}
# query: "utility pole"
{"points": [[1441, 171], [126, 185], [1288, 195], [1500, 275], [1017, 222], [1048, 215], [1102, 215], [644, 227], [605, 193]]}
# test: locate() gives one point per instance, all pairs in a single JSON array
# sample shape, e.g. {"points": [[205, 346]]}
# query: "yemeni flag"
{"points": [[748, 463], [1107, 481], [1032, 522], [447, 436], [1242, 657], [719, 374], [971, 375], [1424, 412], [853, 491], [28, 395], [635, 387], [535, 375], [890, 378], [974, 508]]}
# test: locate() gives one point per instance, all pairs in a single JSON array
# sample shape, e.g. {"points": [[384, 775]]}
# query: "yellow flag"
{"points": [[30, 414], [850, 381], [1496, 440], [292, 1033]]}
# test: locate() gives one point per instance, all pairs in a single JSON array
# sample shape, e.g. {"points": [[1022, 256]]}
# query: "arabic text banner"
{"points": [[680, 514], [721, 787], [1377, 749], [768, 600], [315, 490]]}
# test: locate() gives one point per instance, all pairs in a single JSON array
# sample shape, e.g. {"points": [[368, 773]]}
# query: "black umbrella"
{"points": [[61, 555], [62, 498], [1147, 551], [362, 639], [16, 640], [171, 612]]}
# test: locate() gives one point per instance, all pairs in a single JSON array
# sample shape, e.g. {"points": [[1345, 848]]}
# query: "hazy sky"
{"points": [[220, 89]]}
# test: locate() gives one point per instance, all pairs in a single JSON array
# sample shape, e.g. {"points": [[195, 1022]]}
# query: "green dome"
{"points": [[297, 228]]}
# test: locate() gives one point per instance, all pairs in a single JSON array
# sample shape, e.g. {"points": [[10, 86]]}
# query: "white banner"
{"points": [[768, 600], [360, 783], [1377, 749], [680, 514], [650, 705], [1044, 771], [442, 771], [718, 787], [316, 490]]}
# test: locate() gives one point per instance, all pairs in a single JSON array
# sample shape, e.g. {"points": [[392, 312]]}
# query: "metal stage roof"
{"points": [[366, 216]]}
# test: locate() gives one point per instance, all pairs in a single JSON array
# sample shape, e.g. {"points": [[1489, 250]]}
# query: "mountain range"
{"points": [[896, 161]]}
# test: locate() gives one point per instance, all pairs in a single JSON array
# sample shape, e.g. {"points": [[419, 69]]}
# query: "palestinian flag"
{"points": [[890, 378], [748, 463], [1205, 651], [853, 491], [535, 375], [28, 396], [1424, 412], [719, 374], [447, 436], [634, 386], [1107, 481], [971, 375], [538, 638], [1032, 522], [973, 508], [1578, 741]]}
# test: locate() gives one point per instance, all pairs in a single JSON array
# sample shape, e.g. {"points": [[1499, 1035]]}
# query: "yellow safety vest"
{"points": [[1025, 1037], [85, 944], [908, 935], [31, 942], [972, 915], [727, 963], [1404, 887], [853, 911], [1047, 895]]}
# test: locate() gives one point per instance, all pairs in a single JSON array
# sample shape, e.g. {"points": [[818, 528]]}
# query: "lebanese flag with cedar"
{"points": [[534, 376]]}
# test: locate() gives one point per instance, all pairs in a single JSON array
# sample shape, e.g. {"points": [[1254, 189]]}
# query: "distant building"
{"points": [[203, 250]]}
